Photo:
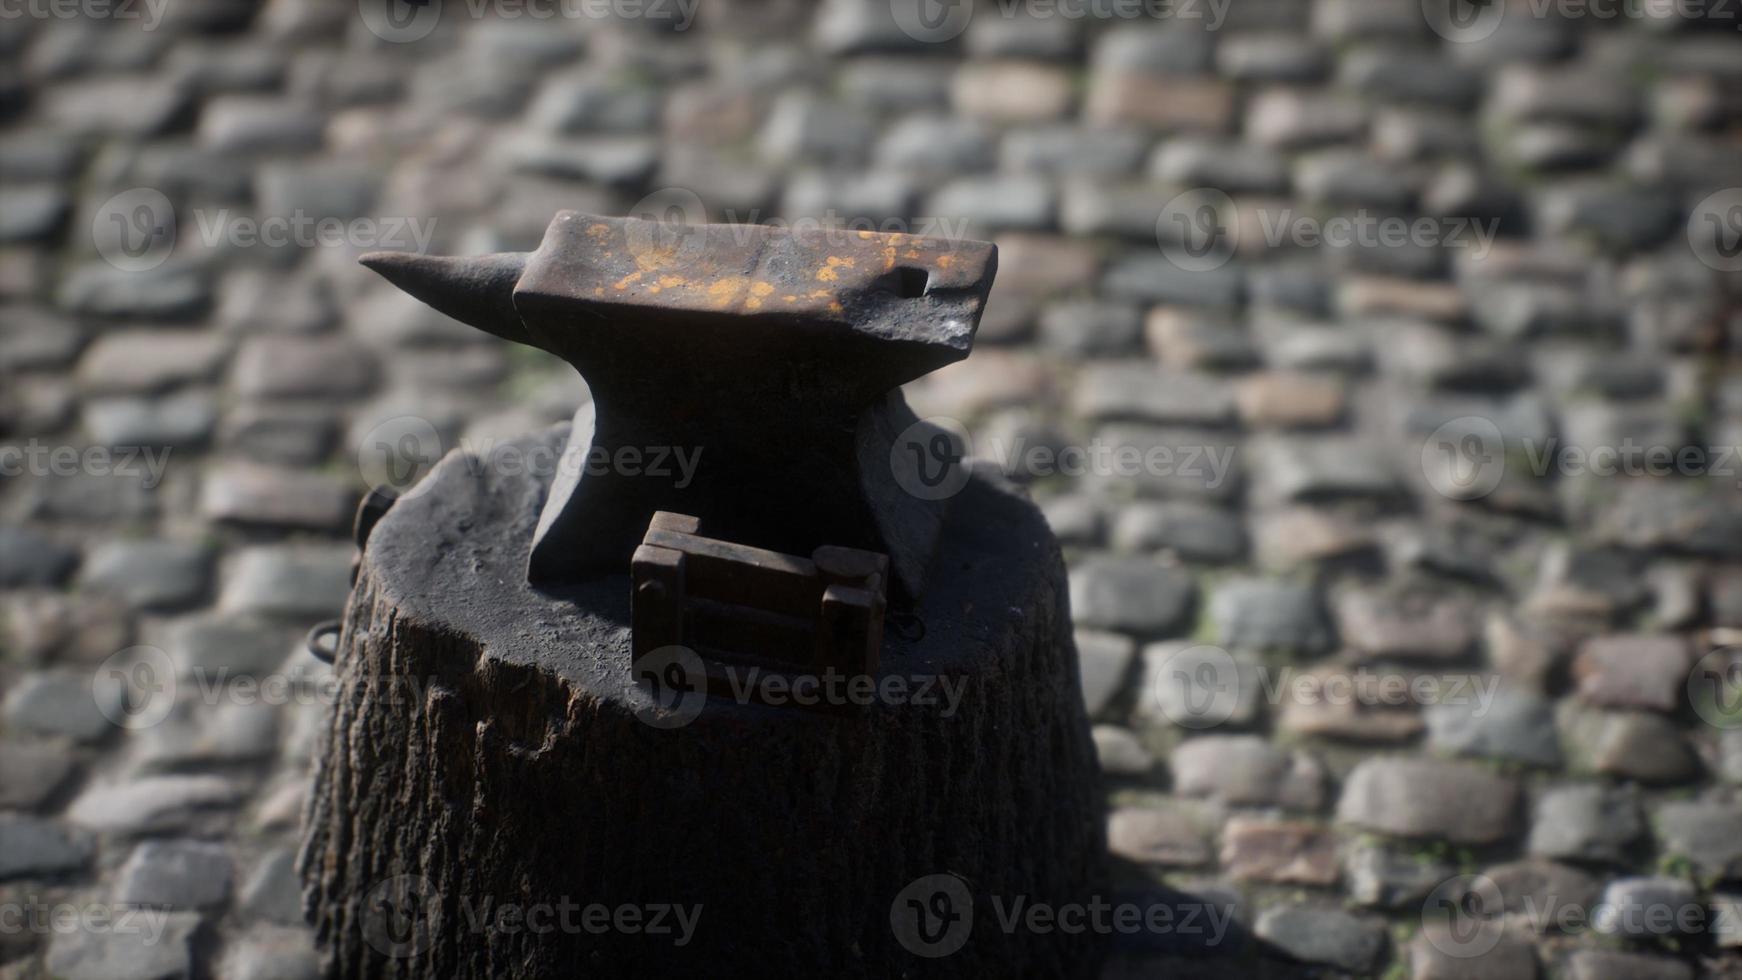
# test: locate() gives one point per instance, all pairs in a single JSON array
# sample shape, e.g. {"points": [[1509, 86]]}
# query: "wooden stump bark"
{"points": [[490, 764]]}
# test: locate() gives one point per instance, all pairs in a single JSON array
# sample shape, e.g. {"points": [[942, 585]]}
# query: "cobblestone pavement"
{"points": [[1375, 366]]}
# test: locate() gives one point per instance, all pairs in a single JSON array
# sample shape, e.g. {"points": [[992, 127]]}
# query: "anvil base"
{"points": [[491, 762]]}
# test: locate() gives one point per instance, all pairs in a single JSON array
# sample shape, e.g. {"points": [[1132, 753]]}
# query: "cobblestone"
{"points": [[1585, 823], [36, 848], [1245, 770], [174, 874], [150, 574], [1704, 833], [1425, 798], [132, 954], [35, 769], [1328, 936], [32, 560], [1279, 852], [1260, 614], [1130, 594], [65, 703]]}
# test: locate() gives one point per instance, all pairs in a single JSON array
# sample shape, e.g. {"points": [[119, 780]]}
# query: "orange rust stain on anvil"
{"points": [[828, 272], [724, 291], [747, 293]]}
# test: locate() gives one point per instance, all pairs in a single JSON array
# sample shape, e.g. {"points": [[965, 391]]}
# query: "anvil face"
{"points": [[769, 357], [887, 308]]}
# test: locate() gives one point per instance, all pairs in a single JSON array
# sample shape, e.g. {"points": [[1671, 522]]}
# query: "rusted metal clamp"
{"points": [[734, 605]]}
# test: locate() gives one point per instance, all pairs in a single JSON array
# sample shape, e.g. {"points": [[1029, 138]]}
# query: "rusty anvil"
{"points": [[777, 354]]}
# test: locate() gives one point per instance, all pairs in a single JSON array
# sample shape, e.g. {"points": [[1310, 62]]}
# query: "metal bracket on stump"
{"points": [[736, 605]]}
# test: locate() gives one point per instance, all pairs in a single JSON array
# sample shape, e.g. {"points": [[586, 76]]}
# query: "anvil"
{"points": [[775, 353]]}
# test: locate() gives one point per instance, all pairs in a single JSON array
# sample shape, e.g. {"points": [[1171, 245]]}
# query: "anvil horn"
{"points": [[477, 291]]}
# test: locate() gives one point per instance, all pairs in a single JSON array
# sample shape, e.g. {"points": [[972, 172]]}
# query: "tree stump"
{"points": [[490, 764]]}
